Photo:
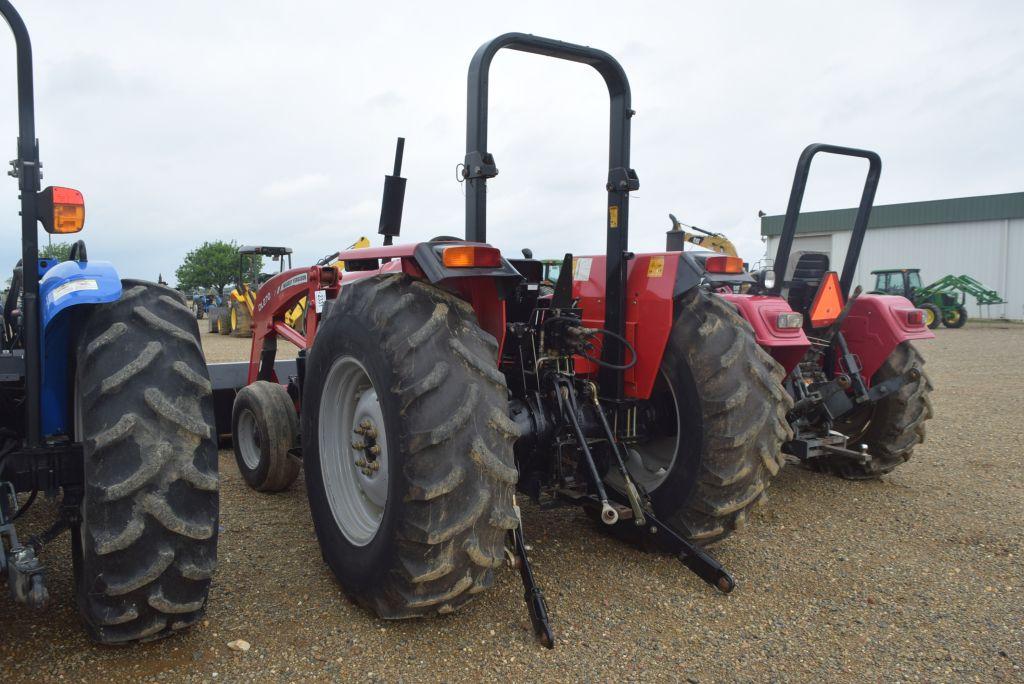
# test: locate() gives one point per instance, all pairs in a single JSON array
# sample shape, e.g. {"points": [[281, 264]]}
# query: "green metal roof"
{"points": [[981, 208]]}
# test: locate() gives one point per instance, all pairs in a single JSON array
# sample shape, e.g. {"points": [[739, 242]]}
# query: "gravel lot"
{"points": [[917, 577]]}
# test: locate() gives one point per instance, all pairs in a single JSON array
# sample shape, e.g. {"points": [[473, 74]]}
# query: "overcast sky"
{"points": [[274, 122]]}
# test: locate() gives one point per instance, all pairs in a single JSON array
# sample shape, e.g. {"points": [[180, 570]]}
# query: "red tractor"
{"points": [[433, 380], [859, 391]]}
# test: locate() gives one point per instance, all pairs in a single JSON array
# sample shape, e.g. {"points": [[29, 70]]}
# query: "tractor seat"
{"points": [[803, 278], [531, 269], [810, 267]]}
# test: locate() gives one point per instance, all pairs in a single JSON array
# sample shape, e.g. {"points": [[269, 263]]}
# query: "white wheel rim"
{"points": [[250, 440], [649, 463], [356, 494]]}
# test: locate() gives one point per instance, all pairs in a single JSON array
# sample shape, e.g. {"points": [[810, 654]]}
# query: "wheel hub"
{"points": [[353, 450], [250, 439], [368, 453]]}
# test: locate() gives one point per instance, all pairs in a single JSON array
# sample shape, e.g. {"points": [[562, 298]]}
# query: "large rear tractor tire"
{"points": [[893, 426], [407, 448], [146, 546], [721, 423], [265, 428]]}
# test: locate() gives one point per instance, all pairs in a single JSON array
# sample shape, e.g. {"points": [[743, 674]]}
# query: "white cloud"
{"points": [[292, 187], [191, 121]]}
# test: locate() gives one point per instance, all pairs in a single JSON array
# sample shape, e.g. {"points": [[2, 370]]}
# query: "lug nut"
{"points": [[358, 446], [375, 450]]}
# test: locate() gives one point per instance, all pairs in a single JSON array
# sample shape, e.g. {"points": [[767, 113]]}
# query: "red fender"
{"points": [[650, 282], [876, 325], [786, 345]]}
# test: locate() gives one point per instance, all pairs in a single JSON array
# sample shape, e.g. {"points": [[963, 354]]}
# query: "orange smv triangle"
{"points": [[828, 302]]}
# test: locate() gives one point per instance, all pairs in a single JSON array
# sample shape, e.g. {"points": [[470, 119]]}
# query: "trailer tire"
{"points": [[438, 413], [955, 318], [264, 428], [932, 315], [893, 426], [731, 410], [146, 545]]}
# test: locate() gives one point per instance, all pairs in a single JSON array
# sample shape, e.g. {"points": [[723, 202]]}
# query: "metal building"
{"points": [[982, 237]]}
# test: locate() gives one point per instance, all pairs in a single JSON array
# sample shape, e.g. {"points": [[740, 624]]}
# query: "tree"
{"points": [[214, 264], [58, 251]]}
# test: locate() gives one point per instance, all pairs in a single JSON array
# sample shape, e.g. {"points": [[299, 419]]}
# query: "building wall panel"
{"points": [[991, 251]]}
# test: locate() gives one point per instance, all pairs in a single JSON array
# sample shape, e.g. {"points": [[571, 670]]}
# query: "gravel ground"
{"points": [[220, 348], [917, 577]]}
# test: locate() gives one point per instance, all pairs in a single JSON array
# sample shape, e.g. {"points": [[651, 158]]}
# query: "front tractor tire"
{"points": [[265, 428], [146, 546], [722, 421], [955, 317], [932, 315], [891, 427], [407, 448]]}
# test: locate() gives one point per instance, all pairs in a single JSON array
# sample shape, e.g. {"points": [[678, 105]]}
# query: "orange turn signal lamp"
{"points": [[828, 302], [470, 256], [61, 210], [723, 264]]}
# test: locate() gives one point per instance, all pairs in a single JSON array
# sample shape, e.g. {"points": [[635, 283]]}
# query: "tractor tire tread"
{"points": [[459, 470], [275, 414], [898, 424], [744, 417], [145, 550]]}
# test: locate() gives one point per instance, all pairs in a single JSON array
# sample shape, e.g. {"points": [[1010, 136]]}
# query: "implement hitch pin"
{"points": [[608, 514]]}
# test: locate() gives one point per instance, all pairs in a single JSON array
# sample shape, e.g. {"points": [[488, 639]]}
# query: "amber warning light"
{"points": [[61, 210], [723, 264], [470, 256]]}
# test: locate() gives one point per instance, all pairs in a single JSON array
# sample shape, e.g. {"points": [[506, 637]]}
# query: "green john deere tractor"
{"points": [[939, 300]]}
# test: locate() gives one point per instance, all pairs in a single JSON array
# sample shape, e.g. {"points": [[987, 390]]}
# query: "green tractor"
{"points": [[939, 300]]}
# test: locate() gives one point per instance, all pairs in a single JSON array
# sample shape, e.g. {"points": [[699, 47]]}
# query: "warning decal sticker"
{"points": [[656, 267]]}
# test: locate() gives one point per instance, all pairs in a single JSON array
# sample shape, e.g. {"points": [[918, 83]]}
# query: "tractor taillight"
{"points": [[470, 256], [61, 210], [789, 321], [915, 317], [723, 264]]}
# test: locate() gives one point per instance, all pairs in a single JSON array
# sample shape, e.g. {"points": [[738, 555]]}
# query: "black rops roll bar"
{"points": [[796, 198], [26, 170], [479, 166]]}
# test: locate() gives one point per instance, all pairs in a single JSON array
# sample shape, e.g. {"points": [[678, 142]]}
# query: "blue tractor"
{"points": [[106, 410]]}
